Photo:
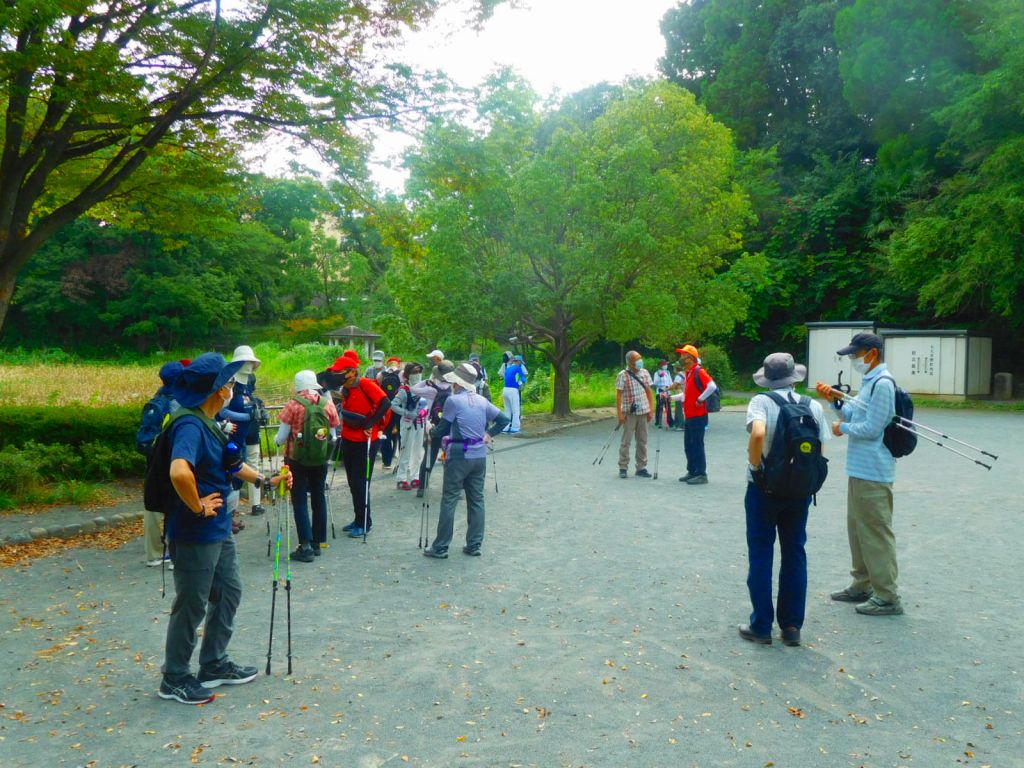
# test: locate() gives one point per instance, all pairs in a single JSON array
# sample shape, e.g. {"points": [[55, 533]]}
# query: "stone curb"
{"points": [[70, 530]]}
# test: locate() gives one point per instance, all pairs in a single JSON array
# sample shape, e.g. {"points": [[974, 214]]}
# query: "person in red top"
{"points": [[308, 477], [364, 408], [698, 386]]}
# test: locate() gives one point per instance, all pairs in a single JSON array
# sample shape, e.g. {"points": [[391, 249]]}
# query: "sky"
{"points": [[559, 46]]}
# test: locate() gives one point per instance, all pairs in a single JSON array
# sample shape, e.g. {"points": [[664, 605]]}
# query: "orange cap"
{"points": [[688, 349]]}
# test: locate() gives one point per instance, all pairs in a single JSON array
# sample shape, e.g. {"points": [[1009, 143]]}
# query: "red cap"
{"points": [[185, 363], [345, 361], [394, 360]]}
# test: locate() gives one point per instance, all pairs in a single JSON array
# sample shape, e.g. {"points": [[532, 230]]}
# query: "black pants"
{"points": [[354, 454], [388, 445], [429, 459]]}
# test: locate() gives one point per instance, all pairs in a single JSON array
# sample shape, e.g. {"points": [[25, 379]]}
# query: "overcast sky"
{"points": [[557, 45]]}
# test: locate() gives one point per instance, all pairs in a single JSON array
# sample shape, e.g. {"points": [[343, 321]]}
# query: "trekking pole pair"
{"points": [[424, 540], [277, 578], [604, 449], [913, 426]]}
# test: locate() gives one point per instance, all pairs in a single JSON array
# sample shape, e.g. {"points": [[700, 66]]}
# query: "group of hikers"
{"points": [[207, 447]]}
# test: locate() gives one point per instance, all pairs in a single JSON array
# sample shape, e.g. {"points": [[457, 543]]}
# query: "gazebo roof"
{"points": [[351, 332]]}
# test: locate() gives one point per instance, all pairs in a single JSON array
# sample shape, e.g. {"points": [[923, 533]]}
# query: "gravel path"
{"points": [[598, 629]]}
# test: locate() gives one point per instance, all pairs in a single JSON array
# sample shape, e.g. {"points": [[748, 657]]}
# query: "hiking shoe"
{"points": [[751, 636], [698, 480], [877, 607], [303, 555], [187, 690], [643, 473], [316, 549], [350, 526], [154, 563], [415, 483], [257, 510], [846, 596], [790, 636], [229, 674], [405, 486], [436, 553], [623, 474], [685, 478], [357, 532], [471, 551]]}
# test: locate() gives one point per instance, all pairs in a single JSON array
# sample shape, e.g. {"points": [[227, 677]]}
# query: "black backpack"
{"points": [[899, 437], [153, 414], [714, 401], [158, 494], [794, 467], [437, 407], [390, 382]]}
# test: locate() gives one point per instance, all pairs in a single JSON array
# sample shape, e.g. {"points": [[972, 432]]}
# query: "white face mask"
{"points": [[378, 364], [242, 377], [860, 365], [415, 378]]}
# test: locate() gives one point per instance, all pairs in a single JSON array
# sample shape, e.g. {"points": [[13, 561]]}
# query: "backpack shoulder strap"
{"points": [[775, 397], [205, 420]]}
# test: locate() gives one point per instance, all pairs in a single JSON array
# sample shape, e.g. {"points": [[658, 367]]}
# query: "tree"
{"points": [[90, 91], [623, 229]]}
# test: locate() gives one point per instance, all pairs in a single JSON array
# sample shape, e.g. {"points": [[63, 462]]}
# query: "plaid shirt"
{"points": [[633, 391]]}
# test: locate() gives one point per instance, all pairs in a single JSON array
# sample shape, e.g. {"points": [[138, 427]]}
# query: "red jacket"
{"points": [[362, 399], [691, 391]]}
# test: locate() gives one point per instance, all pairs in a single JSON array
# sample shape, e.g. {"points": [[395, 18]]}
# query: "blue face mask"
{"points": [[640, 364]]}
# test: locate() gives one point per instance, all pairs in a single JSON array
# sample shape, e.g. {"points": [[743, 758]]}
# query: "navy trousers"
{"points": [[693, 444], [765, 516]]}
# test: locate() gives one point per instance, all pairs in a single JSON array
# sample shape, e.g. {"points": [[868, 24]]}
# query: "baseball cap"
{"points": [[861, 343]]}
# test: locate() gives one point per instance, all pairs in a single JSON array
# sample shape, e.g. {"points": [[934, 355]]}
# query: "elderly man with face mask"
{"points": [[872, 470], [634, 404], [206, 580], [464, 427]]}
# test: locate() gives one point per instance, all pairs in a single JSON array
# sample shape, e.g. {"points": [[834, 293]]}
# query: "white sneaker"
{"points": [[154, 563]]}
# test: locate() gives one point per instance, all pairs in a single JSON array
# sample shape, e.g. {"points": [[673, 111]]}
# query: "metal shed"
{"points": [[823, 339], [953, 363]]}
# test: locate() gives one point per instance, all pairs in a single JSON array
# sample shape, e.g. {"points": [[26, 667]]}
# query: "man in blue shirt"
{"points": [[515, 378], [464, 420], [872, 471], [206, 580]]}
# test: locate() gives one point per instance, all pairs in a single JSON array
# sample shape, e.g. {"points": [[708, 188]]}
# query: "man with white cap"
{"points": [[776, 500], [436, 357], [376, 368], [244, 403], [465, 425]]}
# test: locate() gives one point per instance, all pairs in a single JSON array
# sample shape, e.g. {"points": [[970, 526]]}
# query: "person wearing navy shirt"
{"points": [[515, 378], [206, 580]]}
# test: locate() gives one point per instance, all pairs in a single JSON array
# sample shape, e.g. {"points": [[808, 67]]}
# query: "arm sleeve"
{"points": [[880, 410], [401, 405], [709, 390], [443, 428], [239, 416], [500, 420], [756, 411], [282, 434], [187, 443]]}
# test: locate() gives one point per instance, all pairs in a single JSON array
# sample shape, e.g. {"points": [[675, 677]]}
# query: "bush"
{"points": [[113, 425], [716, 361]]}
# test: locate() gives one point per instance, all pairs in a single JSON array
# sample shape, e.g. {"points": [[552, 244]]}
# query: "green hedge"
{"points": [[114, 425]]}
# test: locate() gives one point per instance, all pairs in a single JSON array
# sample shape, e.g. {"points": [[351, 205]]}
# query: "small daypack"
{"points": [[158, 494], [437, 407], [795, 467], [714, 401], [153, 414], [390, 382], [900, 440], [313, 447]]}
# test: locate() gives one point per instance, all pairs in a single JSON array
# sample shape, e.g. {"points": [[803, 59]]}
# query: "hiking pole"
{"points": [[288, 567], [366, 498], [604, 448], [273, 594], [657, 451], [909, 426], [494, 465]]}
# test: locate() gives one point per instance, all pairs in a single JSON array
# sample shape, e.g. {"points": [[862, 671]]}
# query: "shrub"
{"points": [[716, 361], [69, 425]]}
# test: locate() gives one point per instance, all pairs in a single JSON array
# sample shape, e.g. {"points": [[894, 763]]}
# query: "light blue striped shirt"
{"points": [[867, 457]]}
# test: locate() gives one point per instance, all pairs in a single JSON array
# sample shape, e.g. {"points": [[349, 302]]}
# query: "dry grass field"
{"points": [[64, 384]]}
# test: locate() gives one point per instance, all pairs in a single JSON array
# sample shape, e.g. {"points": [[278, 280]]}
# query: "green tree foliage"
{"points": [[89, 91], [621, 228]]}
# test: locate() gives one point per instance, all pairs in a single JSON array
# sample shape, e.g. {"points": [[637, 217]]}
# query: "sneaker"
{"points": [[414, 484], [751, 636], [316, 549], [436, 553], [849, 596], [350, 526], [187, 690], [154, 563], [471, 551], [643, 473], [698, 480], [257, 511], [790, 636], [303, 555], [685, 478], [405, 486], [877, 607], [229, 674], [357, 533], [623, 474]]}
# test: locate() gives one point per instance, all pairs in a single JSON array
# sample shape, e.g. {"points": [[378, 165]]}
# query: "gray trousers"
{"points": [[206, 582], [634, 425], [462, 474]]}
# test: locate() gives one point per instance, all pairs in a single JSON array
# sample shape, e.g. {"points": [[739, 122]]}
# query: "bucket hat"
{"points": [[207, 373], [306, 380], [244, 354], [779, 371], [464, 376]]}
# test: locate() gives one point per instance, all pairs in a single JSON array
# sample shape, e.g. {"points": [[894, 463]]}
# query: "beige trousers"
{"points": [[872, 542], [152, 527], [635, 424]]}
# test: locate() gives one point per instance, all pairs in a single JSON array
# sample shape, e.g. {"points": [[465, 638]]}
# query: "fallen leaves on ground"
{"points": [[108, 538]]}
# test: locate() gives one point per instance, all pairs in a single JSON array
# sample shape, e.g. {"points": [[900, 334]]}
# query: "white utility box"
{"points": [[823, 364]]}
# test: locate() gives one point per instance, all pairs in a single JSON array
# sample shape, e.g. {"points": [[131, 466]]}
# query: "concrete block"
{"points": [[54, 531], [101, 522], [22, 537], [72, 530], [1002, 386], [89, 526], [37, 533]]}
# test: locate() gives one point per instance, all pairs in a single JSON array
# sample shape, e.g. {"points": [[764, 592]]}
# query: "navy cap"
{"points": [[863, 342], [207, 373]]}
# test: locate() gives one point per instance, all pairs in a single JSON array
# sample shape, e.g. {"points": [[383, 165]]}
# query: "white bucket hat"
{"points": [[464, 376], [244, 354], [306, 380]]}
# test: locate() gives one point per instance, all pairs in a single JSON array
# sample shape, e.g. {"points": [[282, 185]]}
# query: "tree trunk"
{"points": [[561, 403], [6, 295]]}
